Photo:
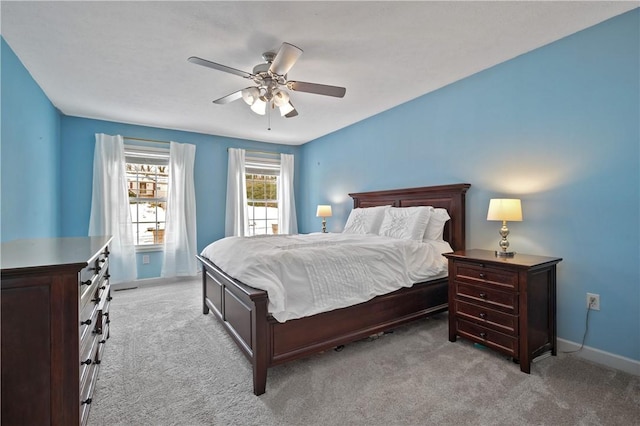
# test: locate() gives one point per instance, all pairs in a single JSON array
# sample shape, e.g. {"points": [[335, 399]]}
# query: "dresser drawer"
{"points": [[496, 320], [86, 392], [87, 358], [478, 273], [87, 323], [92, 277], [487, 297], [488, 337], [102, 320]]}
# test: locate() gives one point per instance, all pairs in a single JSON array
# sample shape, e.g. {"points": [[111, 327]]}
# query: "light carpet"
{"points": [[168, 364]]}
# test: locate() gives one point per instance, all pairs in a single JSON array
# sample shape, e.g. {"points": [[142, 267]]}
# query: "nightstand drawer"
{"points": [[499, 321], [478, 273], [488, 297], [490, 338]]}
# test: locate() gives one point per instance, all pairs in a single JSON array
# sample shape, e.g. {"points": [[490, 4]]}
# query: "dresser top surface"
{"points": [[43, 252], [489, 256]]}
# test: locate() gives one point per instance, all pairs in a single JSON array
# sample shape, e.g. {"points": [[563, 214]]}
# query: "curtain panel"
{"points": [[236, 217], [180, 235], [110, 212], [286, 199]]}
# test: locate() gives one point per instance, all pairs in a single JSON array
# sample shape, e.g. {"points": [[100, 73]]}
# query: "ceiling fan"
{"points": [[270, 79]]}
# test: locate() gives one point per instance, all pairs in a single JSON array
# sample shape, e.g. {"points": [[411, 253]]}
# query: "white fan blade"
{"points": [[284, 60], [219, 67], [318, 89], [229, 98]]}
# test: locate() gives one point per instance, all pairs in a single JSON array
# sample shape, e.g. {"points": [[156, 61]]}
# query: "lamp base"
{"points": [[505, 253]]}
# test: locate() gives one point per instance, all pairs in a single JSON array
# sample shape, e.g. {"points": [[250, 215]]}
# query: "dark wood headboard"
{"points": [[450, 197]]}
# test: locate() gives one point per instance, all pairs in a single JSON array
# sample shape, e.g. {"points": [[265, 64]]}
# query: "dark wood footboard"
{"points": [[267, 342], [243, 312]]}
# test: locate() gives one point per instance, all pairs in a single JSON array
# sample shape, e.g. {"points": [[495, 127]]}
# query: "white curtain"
{"points": [[110, 212], [236, 221], [286, 200], [180, 242]]}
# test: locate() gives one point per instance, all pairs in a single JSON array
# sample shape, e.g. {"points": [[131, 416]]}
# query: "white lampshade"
{"points": [[280, 98], [250, 95], [323, 211], [505, 209], [259, 107], [286, 109]]}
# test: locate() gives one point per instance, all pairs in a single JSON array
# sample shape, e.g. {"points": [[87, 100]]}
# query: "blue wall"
{"points": [[30, 152], [78, 141], [557, 127]]}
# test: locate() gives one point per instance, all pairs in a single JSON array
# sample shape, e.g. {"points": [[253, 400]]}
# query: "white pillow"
{"points": [[409, 223], [435, 227], [365, 220]]}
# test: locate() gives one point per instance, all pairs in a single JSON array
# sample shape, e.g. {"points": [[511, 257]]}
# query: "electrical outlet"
{"points": [[145, 259], [593, 301]]}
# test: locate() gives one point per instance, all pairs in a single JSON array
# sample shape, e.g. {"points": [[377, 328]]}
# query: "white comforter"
{"points": [[310, 273]]}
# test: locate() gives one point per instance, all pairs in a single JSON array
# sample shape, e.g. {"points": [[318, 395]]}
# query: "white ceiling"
{"points": [[127, 61]]}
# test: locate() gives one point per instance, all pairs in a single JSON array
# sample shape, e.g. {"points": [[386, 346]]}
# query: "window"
{"points": [[147, 178], [262, 176]]}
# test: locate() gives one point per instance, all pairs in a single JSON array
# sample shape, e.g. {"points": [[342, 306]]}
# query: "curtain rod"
{"points": [[260, 152], [145, 140]]}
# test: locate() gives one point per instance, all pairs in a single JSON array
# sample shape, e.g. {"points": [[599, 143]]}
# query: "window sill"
{"points": [[149, 247]]}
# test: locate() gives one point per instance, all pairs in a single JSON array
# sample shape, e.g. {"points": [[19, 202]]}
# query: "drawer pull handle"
{"points": [[98, 361], [87, 282], [87, 362], [102, 342], [106, 252], [107, 321], [107, 276], [96, 300], [87, 322], [482, 315], [103, 287], [86, 401], [483, 335], [109, 299], [482, 275], [97, 331], [103, 260], [483, 295]]}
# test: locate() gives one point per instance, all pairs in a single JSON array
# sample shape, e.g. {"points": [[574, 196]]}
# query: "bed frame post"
{"points": [[205, 308], [261, 344]]}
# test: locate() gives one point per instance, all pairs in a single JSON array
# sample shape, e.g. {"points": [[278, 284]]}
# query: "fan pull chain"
{"points": [[269, 116]]}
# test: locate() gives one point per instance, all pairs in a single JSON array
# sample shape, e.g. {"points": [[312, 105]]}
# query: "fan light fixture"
{"points": [[258, 103], [259, 106], [281, 100], [250, 95]]}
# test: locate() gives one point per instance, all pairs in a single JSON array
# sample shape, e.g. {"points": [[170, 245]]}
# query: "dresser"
{"points": [[504, 303], [55, 322]]}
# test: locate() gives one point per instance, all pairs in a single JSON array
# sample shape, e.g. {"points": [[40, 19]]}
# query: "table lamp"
{"points": [[505, 209], [324, 212]]}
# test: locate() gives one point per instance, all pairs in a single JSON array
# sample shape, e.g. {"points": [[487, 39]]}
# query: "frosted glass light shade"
{"points": [[250, 95], [280, 98], [286, 109], [259, 107], [323, 211], [505, 209]]}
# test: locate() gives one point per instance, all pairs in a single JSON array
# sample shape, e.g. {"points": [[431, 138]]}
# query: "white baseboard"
{"points": [[149, 282], [598, 356]]}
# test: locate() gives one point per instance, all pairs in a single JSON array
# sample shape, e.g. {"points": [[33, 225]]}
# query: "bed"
{"points": [[243, 309]]}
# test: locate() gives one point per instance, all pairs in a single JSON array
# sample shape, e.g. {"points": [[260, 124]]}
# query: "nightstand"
{"points": [[506, 304]]}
